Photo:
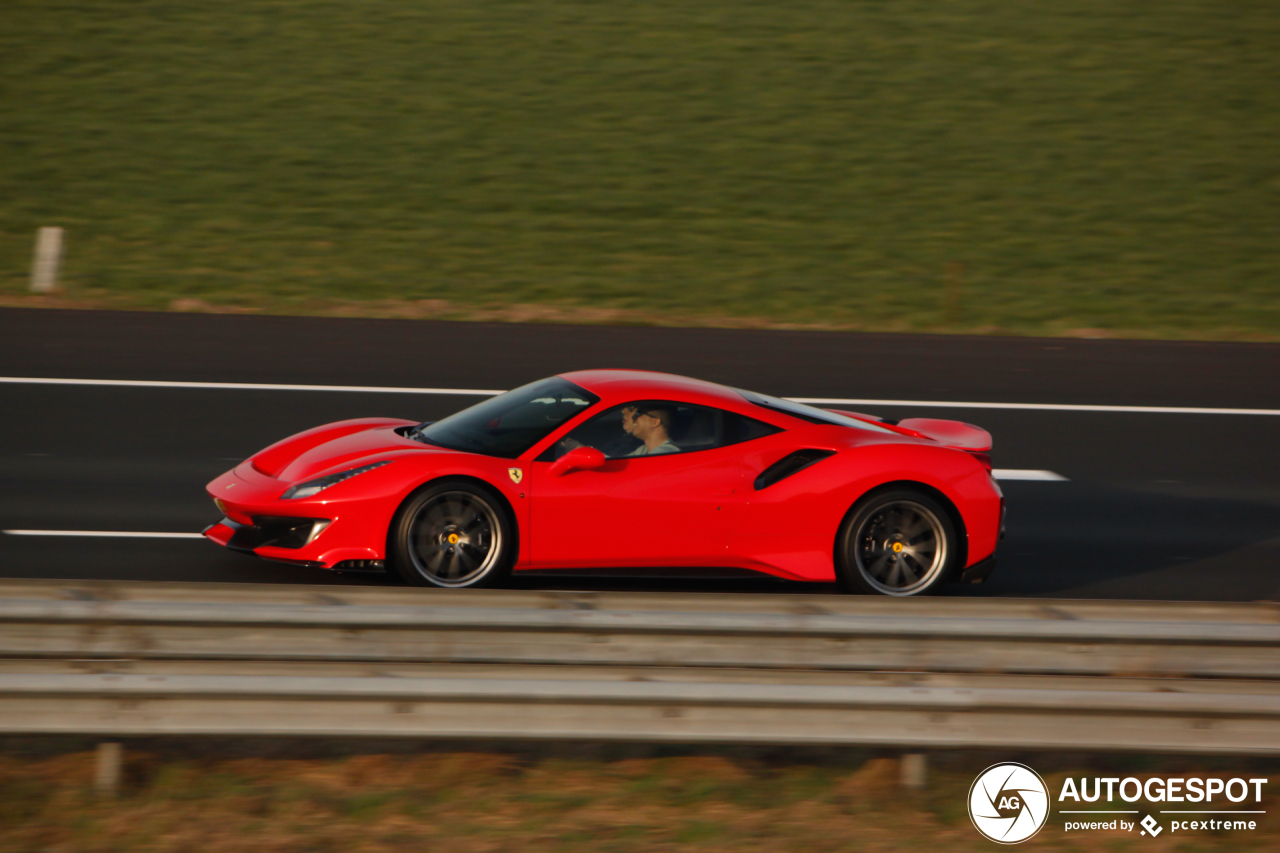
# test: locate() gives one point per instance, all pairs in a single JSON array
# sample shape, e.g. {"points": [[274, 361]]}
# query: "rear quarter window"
{"points": [[812, 414]]}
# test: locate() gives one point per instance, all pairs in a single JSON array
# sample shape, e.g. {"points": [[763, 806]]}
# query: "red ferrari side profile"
{"points": [[622, 469]]}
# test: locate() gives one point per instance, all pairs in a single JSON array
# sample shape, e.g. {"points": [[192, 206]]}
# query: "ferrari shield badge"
{"points": [[516, 474]]}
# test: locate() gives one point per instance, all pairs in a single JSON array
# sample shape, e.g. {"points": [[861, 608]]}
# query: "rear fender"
{"points": [[791, 526], [957, 520]]}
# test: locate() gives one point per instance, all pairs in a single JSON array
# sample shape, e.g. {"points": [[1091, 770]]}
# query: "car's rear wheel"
{"points": [[899, 543], [452, 534]]}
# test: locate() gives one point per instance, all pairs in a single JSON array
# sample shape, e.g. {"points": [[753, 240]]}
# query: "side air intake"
{"points": [[790, 464]]}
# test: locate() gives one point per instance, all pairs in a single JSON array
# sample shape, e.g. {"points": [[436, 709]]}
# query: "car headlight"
{"points": [[312, 487]]}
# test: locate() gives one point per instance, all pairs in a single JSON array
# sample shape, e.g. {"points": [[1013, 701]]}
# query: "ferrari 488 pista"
{"points": [[617, 470]]}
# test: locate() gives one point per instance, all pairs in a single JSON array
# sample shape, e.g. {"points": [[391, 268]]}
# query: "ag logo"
{"points": [[516, 474], [1008, 803]]}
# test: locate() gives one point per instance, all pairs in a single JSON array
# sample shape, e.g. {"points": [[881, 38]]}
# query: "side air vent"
{"points": [[790, 464]]}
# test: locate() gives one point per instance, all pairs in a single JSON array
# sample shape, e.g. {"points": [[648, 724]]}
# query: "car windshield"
{"points": [[511, 423], [808, 413]]}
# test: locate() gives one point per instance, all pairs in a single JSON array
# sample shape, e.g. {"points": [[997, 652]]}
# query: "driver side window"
{"points": [[658, 427]]}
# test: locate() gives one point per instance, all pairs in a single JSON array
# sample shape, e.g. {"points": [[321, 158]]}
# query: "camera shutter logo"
{"points": [[1008, 803]]}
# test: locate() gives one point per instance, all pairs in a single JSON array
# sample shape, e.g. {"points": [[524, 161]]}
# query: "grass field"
{"points": [[965, 165], [491, 803]]}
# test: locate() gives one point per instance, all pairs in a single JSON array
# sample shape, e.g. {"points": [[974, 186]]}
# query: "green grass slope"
{"points": [[1017, 166]]}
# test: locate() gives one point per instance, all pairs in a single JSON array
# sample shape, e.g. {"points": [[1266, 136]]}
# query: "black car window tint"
{"points": [[604, 432], [811, 414], [509, 424], [740, 428], [690, 428]]}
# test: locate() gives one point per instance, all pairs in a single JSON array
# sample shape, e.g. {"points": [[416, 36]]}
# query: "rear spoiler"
{"points": [[955, 434]]}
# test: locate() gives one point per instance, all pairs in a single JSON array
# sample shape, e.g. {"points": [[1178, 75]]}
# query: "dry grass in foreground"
{"points": [[495, 802]]}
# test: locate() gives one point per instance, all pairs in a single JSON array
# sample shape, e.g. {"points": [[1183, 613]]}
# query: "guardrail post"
{"points": [[914, 767], [48, 259], [106, 778]]}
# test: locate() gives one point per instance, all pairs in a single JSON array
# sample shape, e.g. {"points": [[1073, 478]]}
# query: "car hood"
{"points": [[333, 447]]}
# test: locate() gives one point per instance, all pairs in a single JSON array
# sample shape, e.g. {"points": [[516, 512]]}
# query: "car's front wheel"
{"points": [[452, 534], [899, 542]]}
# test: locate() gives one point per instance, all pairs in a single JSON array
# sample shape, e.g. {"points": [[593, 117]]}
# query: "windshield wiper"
{"points": [[416, 432]]}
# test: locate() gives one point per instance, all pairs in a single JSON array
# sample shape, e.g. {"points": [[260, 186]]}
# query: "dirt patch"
{"points": [[877, 778]]}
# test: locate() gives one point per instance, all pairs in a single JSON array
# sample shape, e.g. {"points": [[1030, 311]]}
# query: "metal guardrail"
{"points": [[119, 658]]}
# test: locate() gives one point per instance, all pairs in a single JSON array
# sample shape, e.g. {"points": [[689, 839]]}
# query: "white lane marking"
{"points": [[118, 534], [247, 386], [1047, 407], [485, 392], [1026, 474]]}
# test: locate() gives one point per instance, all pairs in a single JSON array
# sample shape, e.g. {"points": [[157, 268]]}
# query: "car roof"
{"points": [[623, 385], [615, 387]]}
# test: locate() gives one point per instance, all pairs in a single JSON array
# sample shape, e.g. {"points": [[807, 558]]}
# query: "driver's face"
{"points": [[629, 420]]}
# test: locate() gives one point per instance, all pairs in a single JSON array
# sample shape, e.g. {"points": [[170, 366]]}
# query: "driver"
{"points": [[651, 427]]}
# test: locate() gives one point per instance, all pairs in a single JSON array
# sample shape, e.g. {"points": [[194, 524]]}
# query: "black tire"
{"points": [[899, 542], [453, 534]]}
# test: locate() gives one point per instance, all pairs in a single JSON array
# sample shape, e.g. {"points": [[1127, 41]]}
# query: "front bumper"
{"points": [[326, 533], [274, 531], [235, 536]]}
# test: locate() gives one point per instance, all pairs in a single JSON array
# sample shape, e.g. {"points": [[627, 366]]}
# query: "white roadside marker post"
{"points": [[914, 769], [48, 260], [106, 777]]}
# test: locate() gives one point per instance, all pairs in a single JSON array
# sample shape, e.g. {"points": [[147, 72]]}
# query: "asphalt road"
{"points": [[1156, 505]]}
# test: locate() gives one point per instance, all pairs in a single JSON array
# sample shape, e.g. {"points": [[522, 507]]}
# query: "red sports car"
{"points": [[619, 469]]}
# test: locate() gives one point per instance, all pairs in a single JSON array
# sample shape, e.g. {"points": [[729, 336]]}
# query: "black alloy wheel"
{"points": [[899, 543], [453, 534]]}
